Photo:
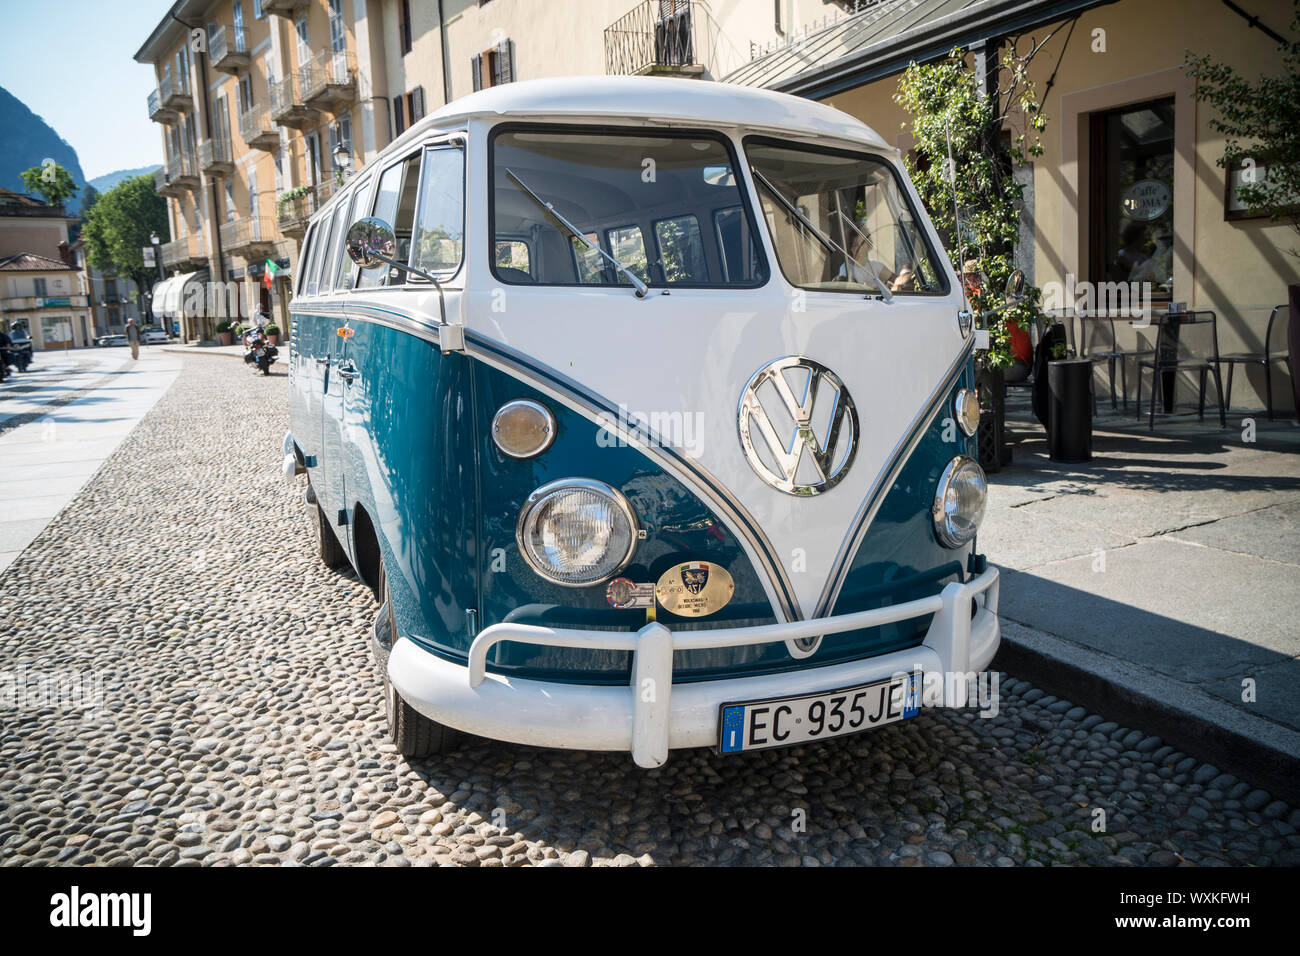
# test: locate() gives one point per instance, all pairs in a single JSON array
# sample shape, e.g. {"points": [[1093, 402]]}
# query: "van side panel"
{"points": [[409, 462]]}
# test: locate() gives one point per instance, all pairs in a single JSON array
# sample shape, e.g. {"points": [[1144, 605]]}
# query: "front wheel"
{"points": [[328, 547], [414, 734]]}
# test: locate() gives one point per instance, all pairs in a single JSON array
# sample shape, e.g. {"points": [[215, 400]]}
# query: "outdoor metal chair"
{"points": [[1185, 342], [1233, 359], [1099, 345]]}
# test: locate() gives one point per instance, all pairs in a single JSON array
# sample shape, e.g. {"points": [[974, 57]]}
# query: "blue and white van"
{"points": [[646, 407]]}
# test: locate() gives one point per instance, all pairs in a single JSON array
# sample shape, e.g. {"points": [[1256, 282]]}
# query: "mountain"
{"points": [[106, 182], [27, 141]]}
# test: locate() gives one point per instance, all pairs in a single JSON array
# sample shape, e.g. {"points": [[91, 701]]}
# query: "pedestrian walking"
{"points": [[5, 342], [133, 338]]}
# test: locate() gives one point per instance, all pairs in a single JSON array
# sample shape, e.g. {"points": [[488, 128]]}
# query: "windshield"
{"points": [[854, 204], [666, 207]]}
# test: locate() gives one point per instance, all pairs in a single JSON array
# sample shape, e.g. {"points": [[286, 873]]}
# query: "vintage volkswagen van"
{"points": [[645, 407]]}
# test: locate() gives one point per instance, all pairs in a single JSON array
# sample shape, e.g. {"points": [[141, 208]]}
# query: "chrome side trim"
{"points": [[884, 481]]}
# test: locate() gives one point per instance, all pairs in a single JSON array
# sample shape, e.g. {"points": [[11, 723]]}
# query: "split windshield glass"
{"points": [[856, 202], [667, 207]]}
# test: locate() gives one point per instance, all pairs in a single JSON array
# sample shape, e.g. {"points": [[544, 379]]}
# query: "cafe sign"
{"points": [[1145, 200]]}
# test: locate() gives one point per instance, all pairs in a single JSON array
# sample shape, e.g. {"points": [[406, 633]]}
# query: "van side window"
{"points": [[319, 244], [395, 205], [360, 201], [325, 269], [304, 257], [440, 226]]}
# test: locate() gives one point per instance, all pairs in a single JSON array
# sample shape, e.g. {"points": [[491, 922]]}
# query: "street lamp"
{"points": [[342, 158]]}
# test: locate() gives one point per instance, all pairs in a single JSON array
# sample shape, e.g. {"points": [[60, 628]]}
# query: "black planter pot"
{"points": [[994, 451], [1069, 410]]}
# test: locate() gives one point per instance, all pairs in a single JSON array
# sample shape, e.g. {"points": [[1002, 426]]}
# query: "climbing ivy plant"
{"points": [[969, 143]]}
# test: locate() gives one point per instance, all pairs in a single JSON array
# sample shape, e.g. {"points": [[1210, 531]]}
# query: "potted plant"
{"points": [[1069, 410], [224, 334], [273, 334]]}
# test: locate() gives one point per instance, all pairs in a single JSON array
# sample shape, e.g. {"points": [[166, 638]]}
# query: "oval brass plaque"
{"points": [[695, 589]]}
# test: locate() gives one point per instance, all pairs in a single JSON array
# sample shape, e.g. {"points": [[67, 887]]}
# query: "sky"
{"points": [[71, 63]]}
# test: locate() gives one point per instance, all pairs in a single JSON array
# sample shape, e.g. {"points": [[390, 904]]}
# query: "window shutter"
{"points": [[477, 60], [418, 99], [506, 60], [397, 117]]}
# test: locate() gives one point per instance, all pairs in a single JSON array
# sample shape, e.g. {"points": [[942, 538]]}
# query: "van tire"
{"points": [[331, 552], [415, 735]]}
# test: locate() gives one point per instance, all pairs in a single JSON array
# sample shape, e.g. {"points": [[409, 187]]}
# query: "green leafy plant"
{"points": [[51, 181], [223, 326], [1059, 351], [1260, 122], [272, 330], [118, 225], [288, 196], [963, 168]]}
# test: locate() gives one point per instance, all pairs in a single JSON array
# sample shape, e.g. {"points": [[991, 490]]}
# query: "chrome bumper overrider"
{"points": [[651, 715]]}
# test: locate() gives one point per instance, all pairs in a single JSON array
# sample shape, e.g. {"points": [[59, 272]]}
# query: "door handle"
{"points": [[348, 372], [323, 361]]}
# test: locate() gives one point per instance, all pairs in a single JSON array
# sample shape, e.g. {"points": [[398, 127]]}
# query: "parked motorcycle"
{"points": [[258, 351]]}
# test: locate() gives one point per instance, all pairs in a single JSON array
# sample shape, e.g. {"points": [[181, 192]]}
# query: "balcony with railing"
{"points": [[660, 37], [185, 251], [249, 236], [176, 177], [226, 50], [175, 93], [26, 303], [328, 81], [216, 157], [287, 107], [295, 206], [258, 131], [159, 113], [284, 8]]}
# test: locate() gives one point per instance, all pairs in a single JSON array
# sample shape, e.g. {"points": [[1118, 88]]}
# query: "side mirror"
{"points": [[1015, 290], [371, 243]]}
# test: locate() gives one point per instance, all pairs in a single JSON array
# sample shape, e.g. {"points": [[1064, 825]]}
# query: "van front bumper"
{"points": [[651, 715]]}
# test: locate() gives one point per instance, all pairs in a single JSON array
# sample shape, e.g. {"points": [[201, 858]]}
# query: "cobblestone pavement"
{"points": [[241, 718]]}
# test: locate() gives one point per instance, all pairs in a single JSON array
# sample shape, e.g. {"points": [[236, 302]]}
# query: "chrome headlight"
{"points": [[576, 531], [959, 502], [966, 406]]}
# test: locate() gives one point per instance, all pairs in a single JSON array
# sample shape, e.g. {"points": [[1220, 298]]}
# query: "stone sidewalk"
{"points": [[1161, 580]]}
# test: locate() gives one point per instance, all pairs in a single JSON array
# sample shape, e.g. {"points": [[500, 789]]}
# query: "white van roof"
{"points": [[662, 99]]}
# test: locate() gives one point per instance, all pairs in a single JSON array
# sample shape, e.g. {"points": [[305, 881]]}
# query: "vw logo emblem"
{"points": [[798, 426]]}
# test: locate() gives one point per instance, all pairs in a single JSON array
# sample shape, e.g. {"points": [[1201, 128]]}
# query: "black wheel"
{"points": [[265, 366], [331, 552], [414, 734]]}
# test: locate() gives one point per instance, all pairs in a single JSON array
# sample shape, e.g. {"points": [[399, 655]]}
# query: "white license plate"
{"points": [[782, 721]]}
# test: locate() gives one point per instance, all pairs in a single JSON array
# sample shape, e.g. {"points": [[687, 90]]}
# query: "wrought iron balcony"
{"points": [[185, 251], [667, 37], [226, 50], [258, 131], [287, 107], [284, 8], [175, 93], [159, 113], [297, 205], [216, 157], [176, 177], [328, 81], [248, 236]]}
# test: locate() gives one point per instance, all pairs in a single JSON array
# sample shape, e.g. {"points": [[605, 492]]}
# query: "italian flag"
{"points": [[272, 270]]}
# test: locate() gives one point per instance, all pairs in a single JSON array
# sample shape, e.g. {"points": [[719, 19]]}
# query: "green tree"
{"points": [[51, 181], [118, 226], [1260, 122], [964, 168]]}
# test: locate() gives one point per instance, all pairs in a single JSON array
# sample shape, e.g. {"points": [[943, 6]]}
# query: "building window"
{"points": [[237, 17], [1131, 214], [338, 36], [41, 290], [406, 26], [495, 66], [408, 109], [245, 93], [304, 43]]}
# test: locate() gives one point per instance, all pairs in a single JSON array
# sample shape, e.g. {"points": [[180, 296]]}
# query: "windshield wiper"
{"points": [[641, 288], [821, 237]]}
